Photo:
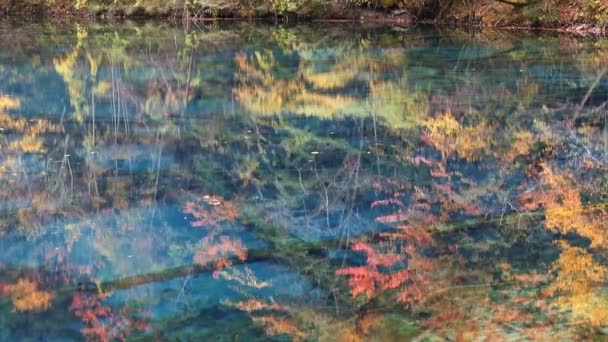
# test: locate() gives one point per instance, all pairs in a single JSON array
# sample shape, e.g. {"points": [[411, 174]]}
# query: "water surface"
{"points": [[241, 182]]}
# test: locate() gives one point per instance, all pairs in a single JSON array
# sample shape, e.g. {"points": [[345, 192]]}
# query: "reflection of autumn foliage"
{"points": [[245, 277], [278, 326], [374, 278], [42, 205], [7, 102], [450, 137], [368, 279], [366, 322], [263, 94], [452, 201], [522, 143], [321, 92], [442, 192], [18, 136], [66, 67], [418, 213], [270, 317], [101, 323], [216, 247], [252, 304], [480, 312], [26, 133], [403, 268], [211, 210], [579, 285], [458, 300], [564, 211], [218, 250], [27, 297]]}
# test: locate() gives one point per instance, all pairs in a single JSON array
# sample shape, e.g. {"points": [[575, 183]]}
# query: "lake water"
{"points": [[237, 181]]}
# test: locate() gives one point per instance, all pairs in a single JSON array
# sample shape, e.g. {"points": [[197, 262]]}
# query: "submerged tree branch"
{"points": [[518, 3]]}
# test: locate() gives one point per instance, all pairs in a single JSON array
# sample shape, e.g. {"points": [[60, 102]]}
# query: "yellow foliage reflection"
{"points": [[26, 134], [66, 67], [579, 287], [7, 103], [451, 137], [578, 284], [565, 213], [263, 94], [27, 297], [327, 93]]}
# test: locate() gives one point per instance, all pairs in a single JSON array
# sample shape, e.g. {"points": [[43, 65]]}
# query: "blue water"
{"points": [[242, 181]]}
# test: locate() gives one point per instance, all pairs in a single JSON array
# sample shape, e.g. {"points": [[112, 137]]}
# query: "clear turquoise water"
{"points": [[237, 181]]}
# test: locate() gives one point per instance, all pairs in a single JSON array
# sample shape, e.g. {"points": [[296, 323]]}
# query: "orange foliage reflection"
{"points": [[216, 247], [101, 323], [27, 297], [211, 210]]}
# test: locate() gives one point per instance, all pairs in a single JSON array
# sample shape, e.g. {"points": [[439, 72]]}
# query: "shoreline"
{"points": [[353, 15], [590, 31]]}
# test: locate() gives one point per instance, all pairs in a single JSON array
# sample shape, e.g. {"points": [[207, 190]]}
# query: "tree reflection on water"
{"points": [[247, 181]]}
